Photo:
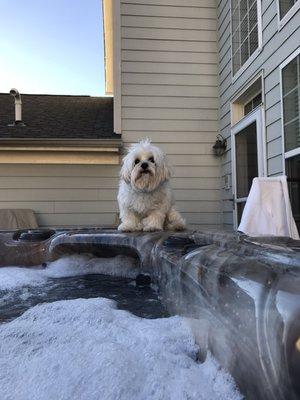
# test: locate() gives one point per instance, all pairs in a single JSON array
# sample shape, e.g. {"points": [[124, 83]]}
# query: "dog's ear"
{"points": [[165, 171], [125, 171]]}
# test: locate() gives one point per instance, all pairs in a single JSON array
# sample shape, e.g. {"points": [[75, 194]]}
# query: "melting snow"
{"points": [[16, 277], [87, 349]]}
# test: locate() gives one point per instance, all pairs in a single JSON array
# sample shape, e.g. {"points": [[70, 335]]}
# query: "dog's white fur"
{"points": [[145, 197]]}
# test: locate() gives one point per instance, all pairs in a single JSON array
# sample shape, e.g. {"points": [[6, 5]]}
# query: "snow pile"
{"points": [[87, 349], [122, 266], [16, 277]]}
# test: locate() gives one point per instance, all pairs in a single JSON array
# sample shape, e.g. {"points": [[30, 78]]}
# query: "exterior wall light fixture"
{"points": [[220, 146]]}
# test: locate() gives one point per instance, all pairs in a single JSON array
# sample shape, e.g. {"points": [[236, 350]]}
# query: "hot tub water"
{"points": [[67, 333]]}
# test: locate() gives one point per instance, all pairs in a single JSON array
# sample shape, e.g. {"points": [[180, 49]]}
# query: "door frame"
{"points": [[257, 115]]}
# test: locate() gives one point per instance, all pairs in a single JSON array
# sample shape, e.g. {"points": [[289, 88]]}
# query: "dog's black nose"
{"points": [[144, 165]]}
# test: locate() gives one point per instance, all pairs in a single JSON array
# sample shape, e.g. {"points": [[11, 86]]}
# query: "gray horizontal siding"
{"points": [[277, 46]]}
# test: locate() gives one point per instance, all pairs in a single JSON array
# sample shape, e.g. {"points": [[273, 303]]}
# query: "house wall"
{"points": [[277, 46], [61, 195], [169, 94]]}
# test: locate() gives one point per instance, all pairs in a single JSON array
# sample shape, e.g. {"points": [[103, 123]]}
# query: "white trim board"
{"points": [[296, 151], [293, 10], [255, 116]]}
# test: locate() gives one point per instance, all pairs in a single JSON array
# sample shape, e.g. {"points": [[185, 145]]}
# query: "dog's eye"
{"points": [[151, 159], [136, 161]]}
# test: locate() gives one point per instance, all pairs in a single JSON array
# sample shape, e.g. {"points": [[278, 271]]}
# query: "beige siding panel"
{"points": [[49, 182], [103, 219], [76, 219], [203, 218], [187, 148], [169, 45], [170, 68], [161, 125], [161, 11], [170, 113], [170, 79], [169, 56], [179, 3], [195, 195], [58, 170], [169, 23], [192, 36], [195, 183], [192, 159], [48, 194], [171, 90], [195, 172], [198, 206], [170, 102], [85, 206], [37, 206], [160, 137]]}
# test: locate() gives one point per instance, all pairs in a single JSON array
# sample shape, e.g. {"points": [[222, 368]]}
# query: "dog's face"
{"points": [[145, 167]]}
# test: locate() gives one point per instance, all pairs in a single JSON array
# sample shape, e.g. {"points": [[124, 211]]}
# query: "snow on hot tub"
{"points": [[89, 349]]}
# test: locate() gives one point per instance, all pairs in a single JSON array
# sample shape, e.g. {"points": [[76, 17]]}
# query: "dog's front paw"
{"points": [[178, 226], [152, 228], [125, 227]]}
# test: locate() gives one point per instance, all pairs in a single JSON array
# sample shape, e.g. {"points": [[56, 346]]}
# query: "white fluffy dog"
{"points": [[145, 197]]}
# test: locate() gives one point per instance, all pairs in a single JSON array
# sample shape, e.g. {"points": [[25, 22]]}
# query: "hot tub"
{"points": [[240, 295]]}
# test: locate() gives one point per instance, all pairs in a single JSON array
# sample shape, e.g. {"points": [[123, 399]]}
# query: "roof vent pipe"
{"points": [[18, 107]]}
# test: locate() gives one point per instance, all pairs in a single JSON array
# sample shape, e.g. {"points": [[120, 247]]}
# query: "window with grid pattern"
{"points": [[291, 96], [244, 25], [285, 6]]}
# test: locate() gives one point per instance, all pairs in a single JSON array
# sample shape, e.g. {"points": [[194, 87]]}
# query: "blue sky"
{"points": [[52, 46]]}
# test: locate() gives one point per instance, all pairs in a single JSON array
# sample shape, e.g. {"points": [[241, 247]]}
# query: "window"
{"points": [[245, 30], [290, 98], [252, 104], [246, 159], [290, 91], [292, 169], [285, 6], [247, 100]]}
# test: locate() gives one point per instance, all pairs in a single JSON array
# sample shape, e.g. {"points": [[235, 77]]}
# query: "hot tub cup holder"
{"points": [[33, 235]]}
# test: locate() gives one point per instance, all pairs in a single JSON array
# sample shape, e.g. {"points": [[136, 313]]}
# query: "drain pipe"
{"points": [[18, 107]]}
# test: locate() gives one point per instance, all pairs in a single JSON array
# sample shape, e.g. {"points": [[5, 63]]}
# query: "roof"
{"points": [[58, 117]]}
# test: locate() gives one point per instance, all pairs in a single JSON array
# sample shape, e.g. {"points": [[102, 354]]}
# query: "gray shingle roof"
{"points": [[58, 117]]}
